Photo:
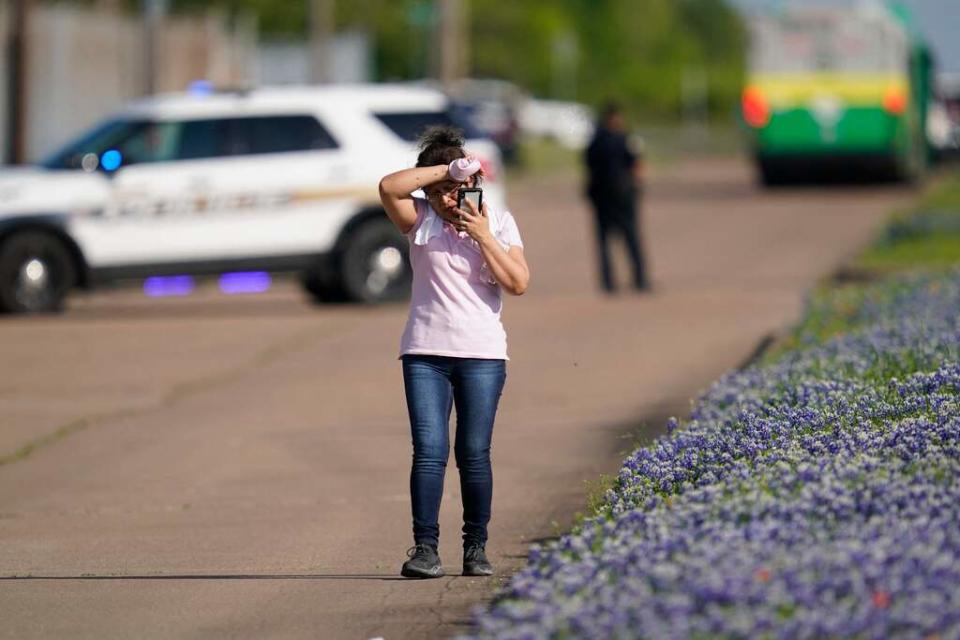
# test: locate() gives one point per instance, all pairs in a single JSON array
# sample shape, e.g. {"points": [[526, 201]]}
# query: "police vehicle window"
{"points": [[203, 139], [410, 125], [279, 134], [108, 135], [150, 142], [220, 137]]}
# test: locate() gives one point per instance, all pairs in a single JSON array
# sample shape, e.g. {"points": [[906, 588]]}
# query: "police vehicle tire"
{"points": [[36, 272], [375, 264], [320, 287]]}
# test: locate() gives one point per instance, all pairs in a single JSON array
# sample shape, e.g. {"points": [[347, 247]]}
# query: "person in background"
{"points": [[614, 187], [454, 348]]}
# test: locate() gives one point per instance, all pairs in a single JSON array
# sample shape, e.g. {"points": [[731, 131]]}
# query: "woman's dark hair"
{"points": [[442, 144]]}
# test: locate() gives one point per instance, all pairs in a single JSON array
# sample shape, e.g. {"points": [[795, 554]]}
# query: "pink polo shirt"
{"points": [[455, 303]]}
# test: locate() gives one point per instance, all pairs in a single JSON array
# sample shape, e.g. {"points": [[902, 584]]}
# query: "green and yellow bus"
{"points": [[833, 90]]}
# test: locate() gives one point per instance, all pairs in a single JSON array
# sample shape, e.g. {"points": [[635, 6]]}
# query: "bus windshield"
{"points": [[817, 44]]}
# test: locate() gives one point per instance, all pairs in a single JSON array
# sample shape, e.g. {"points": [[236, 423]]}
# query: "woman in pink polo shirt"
{"points": [[454, 348]]}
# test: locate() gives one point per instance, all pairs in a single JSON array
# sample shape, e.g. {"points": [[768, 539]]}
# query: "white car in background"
{"points": [[271, 179], [569, 123]]}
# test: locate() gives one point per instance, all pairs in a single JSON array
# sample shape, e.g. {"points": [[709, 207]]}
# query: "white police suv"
{"points": [[272, 179]]}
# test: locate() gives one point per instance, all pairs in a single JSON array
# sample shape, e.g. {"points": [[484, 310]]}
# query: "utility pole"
{"points": [[564, 56], [153, 12], [321, 40], [17, 59], [453, 38]]}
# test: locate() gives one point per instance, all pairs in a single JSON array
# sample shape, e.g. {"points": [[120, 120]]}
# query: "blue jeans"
{"points": [[434, 384]]}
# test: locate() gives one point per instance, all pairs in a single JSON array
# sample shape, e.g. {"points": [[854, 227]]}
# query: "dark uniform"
{"points": [[613, 191]]}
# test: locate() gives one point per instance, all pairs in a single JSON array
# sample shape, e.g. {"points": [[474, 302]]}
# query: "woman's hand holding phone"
{"points": [[475, 222]]}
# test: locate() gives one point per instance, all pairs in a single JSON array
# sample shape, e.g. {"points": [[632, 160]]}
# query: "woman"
{"points": [[454, 348]]}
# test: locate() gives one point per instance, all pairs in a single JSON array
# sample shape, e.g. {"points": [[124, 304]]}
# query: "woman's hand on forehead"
{"points": [[461, 169]]}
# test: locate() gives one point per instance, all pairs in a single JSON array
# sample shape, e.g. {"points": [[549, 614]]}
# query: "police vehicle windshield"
{"points": [[134, 140]]}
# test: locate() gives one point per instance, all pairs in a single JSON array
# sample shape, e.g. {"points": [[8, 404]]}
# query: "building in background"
{"points": [[289, 62], [85, 60]]}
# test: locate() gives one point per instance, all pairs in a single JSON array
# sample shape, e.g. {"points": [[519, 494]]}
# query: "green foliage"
{"points": [[635, 51], [516, 41]]}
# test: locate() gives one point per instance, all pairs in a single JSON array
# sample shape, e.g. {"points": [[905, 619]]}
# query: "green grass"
{"points": [[927, 237], [944, 195], [667, 143], [541, 156], [924, 238], [662, 144], [830, 311], [933, 252], [596, 491]]}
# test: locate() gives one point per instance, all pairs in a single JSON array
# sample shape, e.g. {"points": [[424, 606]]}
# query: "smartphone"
{"points": [[474, 195]]}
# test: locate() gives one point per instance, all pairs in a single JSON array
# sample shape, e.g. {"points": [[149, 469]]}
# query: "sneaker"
{"points": [[424, 562], [475, 561]]}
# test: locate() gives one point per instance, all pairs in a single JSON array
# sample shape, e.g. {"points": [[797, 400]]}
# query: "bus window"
{"points": [[808, 45]]}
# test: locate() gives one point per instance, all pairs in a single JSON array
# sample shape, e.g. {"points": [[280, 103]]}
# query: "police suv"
{"points": [[271, 179]]}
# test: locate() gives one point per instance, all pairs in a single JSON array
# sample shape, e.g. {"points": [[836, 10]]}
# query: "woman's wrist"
{"points": [[488, 240]]}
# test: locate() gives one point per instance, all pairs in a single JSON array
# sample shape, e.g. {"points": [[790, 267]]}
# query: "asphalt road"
{"points": [[218, 466]]}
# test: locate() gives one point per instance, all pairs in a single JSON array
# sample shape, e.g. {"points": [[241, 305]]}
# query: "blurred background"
{"points": [[178, 115], [65, 64], [208, 168]]}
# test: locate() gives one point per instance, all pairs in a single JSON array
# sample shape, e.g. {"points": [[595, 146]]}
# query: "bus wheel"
{"points": [[375, 265], [36, 272], [771, 175]]}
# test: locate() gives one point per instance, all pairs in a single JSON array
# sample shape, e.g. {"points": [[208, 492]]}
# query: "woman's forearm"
{"points": [[512, 273], [396, 190], [402, 183]]}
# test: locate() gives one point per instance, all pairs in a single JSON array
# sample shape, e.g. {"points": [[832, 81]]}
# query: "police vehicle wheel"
{"points": [[321, 288], [374, 264], [36, 273]]}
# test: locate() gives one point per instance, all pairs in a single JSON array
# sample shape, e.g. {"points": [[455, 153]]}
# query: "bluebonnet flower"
{"points": [[817, 495]]}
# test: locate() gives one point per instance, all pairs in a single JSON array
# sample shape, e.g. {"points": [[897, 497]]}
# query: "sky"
{"points": [[938, 20]]}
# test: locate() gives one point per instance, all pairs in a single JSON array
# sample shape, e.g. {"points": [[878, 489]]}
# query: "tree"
{"points": [[634, 50]]}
